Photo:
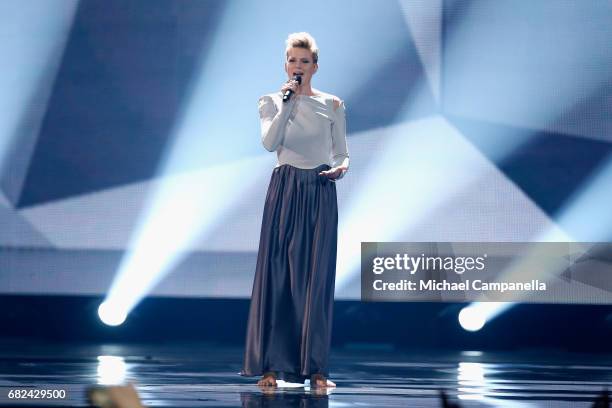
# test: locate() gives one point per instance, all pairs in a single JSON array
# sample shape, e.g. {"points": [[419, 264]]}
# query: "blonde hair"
{"points": [[302, 40]]}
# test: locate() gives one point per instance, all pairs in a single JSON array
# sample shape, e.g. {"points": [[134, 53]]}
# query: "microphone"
{"points": [[289, 92]]}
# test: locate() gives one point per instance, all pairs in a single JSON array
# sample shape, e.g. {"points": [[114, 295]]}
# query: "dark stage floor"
{"points": [[203, 375]]}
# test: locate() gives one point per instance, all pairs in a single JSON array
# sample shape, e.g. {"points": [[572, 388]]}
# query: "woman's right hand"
{"points": [[290, 84]]}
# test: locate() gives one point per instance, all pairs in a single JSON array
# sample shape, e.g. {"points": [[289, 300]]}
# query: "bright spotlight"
{"points": [[471, 319], [111, 314]]}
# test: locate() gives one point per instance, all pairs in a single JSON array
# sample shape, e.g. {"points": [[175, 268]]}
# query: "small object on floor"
{"points": [[116, 396]]}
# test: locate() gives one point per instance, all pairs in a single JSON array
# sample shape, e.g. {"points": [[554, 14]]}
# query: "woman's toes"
{"points": [[321, 381], [268, 380]]}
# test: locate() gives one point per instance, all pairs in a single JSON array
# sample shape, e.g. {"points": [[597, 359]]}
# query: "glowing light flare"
{"points": [[575, 221], [111, 314], [471, 319], [184, 208]]}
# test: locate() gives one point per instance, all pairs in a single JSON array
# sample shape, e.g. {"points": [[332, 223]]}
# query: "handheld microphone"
{"points": [[289, 92]]}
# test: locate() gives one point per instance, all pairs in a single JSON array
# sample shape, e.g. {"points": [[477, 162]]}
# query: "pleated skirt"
{"points": [[290, 317]]}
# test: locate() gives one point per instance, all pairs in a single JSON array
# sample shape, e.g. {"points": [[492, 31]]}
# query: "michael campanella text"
{"points": [[477, 284]]}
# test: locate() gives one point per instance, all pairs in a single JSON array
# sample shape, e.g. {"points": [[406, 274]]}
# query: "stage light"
{"points": [[573, 224], [184, 208], [111, 314], [471, 319]]}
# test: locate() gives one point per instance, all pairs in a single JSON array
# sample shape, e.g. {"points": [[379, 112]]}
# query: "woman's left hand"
{"points": [[335, 173]]}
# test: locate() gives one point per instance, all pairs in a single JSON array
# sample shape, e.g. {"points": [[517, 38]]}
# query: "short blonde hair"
{"points": [[302, 40]]}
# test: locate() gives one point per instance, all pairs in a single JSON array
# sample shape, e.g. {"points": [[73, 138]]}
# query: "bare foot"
{"points": [[319, 381], [268, 380]]}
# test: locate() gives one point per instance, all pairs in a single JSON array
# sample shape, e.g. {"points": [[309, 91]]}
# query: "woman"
{"points": [[290, 319]]}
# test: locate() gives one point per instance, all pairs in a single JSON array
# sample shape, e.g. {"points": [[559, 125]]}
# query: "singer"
{"points": [[290, 318]]}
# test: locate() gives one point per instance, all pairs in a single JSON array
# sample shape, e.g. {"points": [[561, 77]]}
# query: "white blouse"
{"points": [[305, 132]]}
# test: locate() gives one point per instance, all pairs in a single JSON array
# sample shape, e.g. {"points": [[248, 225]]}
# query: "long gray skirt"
{"points": [[290, 318]]}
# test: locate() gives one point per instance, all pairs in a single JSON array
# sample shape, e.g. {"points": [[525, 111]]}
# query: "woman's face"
{"points": [[299, 62]]}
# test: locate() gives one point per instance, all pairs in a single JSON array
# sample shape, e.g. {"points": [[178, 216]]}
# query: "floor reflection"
{"points": [[201, 375], [278, 397]]}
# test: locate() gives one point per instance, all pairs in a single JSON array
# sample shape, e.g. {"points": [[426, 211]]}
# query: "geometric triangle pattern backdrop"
{"points": [[534, 115]]}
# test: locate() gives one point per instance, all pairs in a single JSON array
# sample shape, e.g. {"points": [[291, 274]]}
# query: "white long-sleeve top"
{"points": [[306, 131]]}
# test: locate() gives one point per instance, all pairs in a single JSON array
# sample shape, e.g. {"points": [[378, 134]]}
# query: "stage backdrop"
{"points": [[130, 131]]}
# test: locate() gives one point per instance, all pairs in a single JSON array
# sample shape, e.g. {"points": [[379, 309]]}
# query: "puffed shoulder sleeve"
{"points": [[339, 145], [267, 108], [273, 121]]}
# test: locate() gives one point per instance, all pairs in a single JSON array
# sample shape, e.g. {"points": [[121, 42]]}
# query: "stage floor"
{"points": [[205, 375]]}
